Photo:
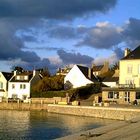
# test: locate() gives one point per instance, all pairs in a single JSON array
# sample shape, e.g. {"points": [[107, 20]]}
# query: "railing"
{"points": [[121, 86], [126, 85]]}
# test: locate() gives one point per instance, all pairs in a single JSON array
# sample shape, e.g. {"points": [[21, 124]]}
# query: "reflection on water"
{"points": [[33, 125]]}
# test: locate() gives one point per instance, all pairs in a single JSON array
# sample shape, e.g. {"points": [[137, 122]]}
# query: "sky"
{"points": [[59, 33]]}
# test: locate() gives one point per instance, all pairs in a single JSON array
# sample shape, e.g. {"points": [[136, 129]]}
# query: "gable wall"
{"points": [[77, 78], [124, 75]]}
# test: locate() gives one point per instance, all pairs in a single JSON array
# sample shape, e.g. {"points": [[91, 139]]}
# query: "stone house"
{"points": [[63, 71], [128, 89], [100, 69], [112, 81]]}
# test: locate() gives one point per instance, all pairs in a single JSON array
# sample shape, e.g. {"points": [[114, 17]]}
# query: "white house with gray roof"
{"points": [[79, 76], [20, 84], [4, 78]]}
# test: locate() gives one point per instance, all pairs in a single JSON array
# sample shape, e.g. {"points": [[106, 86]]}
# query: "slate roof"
{"points": [[135, 54], [85, 71], [97, 68], [7, 75], [29, 74], [111, 79]]}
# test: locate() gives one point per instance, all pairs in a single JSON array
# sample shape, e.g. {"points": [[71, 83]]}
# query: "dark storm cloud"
{"points": [[18, 15], [53, 9], [102, 36], [119, 52], [132, 32], [62, 32], [11, 46], [74, 58]]}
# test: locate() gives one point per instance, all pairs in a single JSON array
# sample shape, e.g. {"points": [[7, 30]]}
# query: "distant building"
{"points": [[128, 89], [100, 69], [4, 78], [112, 81], [20, 84], [79, 76], [63, 71]]}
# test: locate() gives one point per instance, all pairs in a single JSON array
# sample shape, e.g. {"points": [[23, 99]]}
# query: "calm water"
{"points": [[32, 125]]}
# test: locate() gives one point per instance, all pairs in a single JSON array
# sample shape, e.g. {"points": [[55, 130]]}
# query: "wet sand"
{"points": [[122, 130]]}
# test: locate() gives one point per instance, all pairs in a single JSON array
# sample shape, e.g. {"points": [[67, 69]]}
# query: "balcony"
{"points": [[121, 87], [126, 86]]}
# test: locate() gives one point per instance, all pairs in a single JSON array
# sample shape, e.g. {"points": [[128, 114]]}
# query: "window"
{"points": [[1, 85], [139, 69], [14, 96], [137, 95], [22, 86], [116, 95], [129, 81], [129, 69], [24, 97], [13, 86], [113, 95], [110, 94], [25, 77]]}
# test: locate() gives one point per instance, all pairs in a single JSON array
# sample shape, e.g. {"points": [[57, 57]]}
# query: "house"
{"points": [[4, 78], [63, 71], [79, 76], [100, 69], [20, 84], [128, 89], [112, 81]]}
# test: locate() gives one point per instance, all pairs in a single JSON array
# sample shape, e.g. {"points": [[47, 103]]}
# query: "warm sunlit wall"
{"points": [[125, 77]]}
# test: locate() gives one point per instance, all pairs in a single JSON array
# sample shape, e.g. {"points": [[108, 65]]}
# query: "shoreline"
{"points": [[116, 113], [97, 112], [126, 130]]}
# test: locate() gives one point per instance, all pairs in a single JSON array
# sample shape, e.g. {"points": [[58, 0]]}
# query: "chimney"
{"points": [[15, 72], [34, 72], [89, 73], [126, 52], [93, 65]]}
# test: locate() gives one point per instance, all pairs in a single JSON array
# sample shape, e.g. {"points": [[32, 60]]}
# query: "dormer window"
{"points": [[18, 77], [22, 77], [25, 77]]}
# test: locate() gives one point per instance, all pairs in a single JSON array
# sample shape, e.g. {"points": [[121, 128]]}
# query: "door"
{"points": [[127, 96]]}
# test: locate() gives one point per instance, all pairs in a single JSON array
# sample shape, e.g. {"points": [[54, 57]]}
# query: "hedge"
{"points": [[75, 94]]}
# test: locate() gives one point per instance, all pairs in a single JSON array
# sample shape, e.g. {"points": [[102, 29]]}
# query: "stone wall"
{"points": [[22, 106], [99, 112], [48, 100]]}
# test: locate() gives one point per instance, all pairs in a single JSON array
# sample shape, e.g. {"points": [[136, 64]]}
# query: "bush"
{"points": [[75, 94], [54, 83], [86, 91]]}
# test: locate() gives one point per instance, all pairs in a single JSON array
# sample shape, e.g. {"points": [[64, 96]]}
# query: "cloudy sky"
{"points": [[56, 33]]}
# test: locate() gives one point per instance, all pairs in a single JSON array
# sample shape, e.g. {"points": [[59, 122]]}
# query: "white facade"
{"points": [[77, 78], [19, 90], [111, 84]]}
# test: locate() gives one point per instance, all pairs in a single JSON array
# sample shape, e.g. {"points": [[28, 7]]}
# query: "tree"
{"points": [[53, 83], [18, 68], [44, 72]]}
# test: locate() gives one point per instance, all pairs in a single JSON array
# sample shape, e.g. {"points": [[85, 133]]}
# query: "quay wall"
{"points": [[99, 112], [22, 106], [88, 111]]}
